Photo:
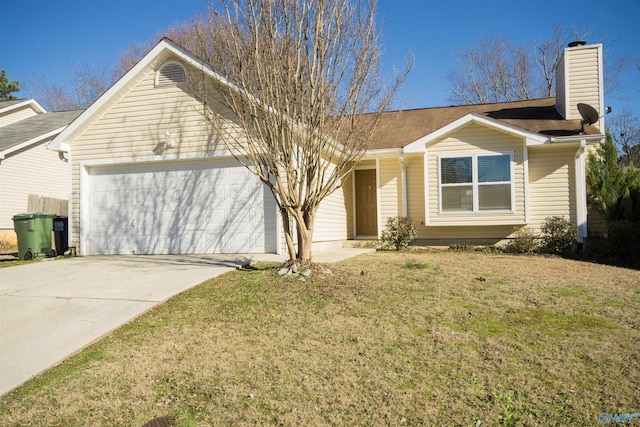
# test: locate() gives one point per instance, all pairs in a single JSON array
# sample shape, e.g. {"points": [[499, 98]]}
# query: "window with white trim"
{"points": [[171, 73], [477, 183]]}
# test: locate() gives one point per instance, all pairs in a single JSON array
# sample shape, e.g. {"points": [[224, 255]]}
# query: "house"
{"points": [[27, 168], [149, 176]]}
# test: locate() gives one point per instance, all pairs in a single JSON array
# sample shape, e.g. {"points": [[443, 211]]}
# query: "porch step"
{"points": [[373, 244]]}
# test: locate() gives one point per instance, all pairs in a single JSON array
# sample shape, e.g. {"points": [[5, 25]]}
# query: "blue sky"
{"points": [[45, 41]]}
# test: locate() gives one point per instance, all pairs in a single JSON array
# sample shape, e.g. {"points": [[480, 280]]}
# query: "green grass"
{"points": [[388, 339]]}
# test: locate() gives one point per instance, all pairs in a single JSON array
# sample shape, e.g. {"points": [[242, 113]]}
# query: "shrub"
{"points": [[559, 236], [623, 242], [524, 241], [398, 233]]}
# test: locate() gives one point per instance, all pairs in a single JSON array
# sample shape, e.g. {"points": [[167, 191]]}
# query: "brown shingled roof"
{"points": [[399, 128]]}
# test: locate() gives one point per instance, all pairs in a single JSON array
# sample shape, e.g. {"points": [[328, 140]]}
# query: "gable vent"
{"points": [[171, 74]]}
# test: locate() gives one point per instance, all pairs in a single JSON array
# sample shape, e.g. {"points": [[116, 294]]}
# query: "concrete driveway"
{"points": [[54, 308]]}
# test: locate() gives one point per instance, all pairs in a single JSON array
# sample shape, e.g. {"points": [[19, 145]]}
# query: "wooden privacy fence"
{"points": [[47, 205]]}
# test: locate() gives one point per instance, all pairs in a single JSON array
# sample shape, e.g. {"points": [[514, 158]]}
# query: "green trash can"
{"points": [[34, 234]]}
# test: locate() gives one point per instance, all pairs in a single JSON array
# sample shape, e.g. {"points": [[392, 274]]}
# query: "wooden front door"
{"points": [[366, 203]]}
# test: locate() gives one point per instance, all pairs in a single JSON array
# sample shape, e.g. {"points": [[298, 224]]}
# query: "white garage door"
{"points": [[179, 208]]}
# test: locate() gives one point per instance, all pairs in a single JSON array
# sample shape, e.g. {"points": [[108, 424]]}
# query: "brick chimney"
{"points": [[579, 80]]}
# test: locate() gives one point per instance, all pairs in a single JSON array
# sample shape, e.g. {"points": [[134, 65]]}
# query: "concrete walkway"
{"points": [[54, 308]]}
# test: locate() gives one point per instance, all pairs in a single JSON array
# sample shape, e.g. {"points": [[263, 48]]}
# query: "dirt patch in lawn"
{"points": [[433, 338]]}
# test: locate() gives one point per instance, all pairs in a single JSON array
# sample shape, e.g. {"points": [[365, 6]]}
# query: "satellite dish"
{"points": [[589, 115]]}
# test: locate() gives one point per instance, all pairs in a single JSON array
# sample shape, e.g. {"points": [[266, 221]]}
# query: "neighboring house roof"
{"points": [[397, 129], [17, 135], [6, 106]]}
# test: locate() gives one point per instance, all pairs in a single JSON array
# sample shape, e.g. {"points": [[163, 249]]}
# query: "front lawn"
{"points": [[434, 338]]}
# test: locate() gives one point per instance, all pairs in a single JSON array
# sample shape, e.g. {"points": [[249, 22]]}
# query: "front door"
{"points": [[366, 203]]}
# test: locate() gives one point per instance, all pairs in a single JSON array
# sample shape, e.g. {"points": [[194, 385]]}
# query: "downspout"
{"points": [[405, 209], [581, 191]]}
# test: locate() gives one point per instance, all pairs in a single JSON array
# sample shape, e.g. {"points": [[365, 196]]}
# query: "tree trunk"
{"points": [[304, 227], [305, 238], [286, 224]]}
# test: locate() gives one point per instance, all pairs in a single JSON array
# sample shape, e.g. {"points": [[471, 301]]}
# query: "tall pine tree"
{"points": [[7, 87], [614, 188]]}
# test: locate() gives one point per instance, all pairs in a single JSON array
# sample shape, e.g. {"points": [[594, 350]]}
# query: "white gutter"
{"points": [[578, 138]]}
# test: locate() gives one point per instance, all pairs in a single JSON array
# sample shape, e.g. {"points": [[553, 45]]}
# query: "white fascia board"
{"points": [[419, 145], [164, 45], [589, 139], [30, 142], [27, 102]]}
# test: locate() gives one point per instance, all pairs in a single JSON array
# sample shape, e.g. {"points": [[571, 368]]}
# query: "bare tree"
{"points": [[624, 127], [547, 56], [87, 86], [301, 76], [188, 34], [495, 70]]}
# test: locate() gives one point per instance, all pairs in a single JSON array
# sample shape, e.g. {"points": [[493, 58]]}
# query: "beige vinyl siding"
{"points": [[551, 184], [134, 124], [39, 171], [331, 219], [14, 116], [140, 120], [415, 189], [476, 140], [441, 234], [390, 192], [584, 79]]}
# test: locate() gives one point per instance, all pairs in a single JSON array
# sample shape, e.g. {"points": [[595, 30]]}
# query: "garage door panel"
{"points": [[186, 207]]}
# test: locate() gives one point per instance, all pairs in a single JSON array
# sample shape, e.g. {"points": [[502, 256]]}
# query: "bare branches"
{"points": [[88, 85], [547, 56], [496, 70], [303, 74], [624, 127]]}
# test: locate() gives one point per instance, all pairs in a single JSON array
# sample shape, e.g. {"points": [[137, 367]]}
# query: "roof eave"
{"points": [[163, 45], [27, 102], [31, 142]]}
